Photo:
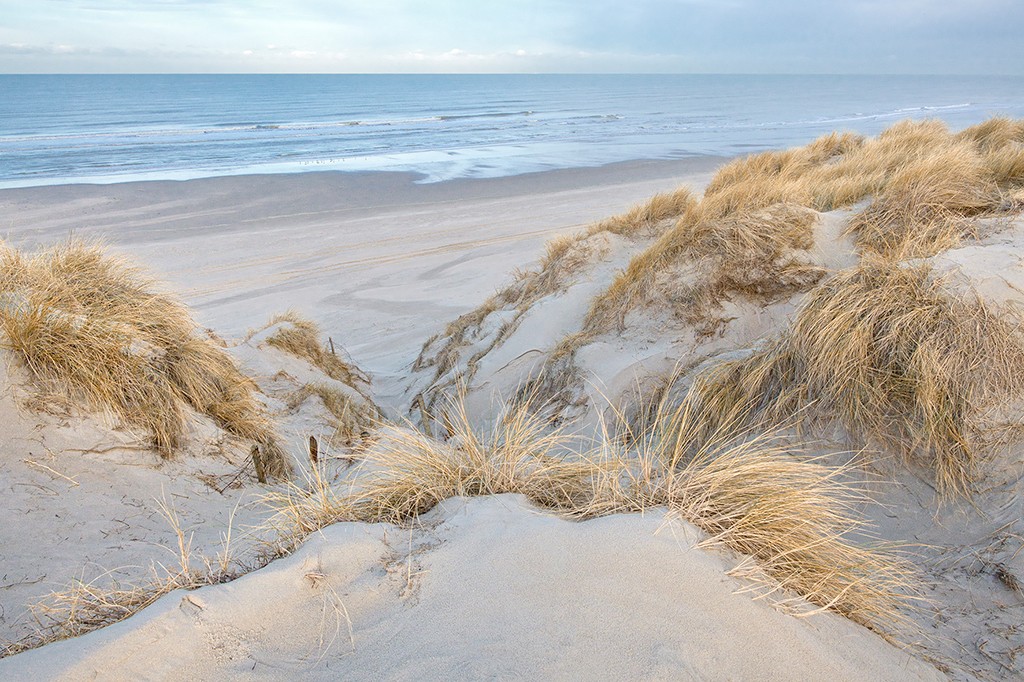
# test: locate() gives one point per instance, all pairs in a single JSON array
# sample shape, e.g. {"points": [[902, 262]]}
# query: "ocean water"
{"points": [[97, 128]]}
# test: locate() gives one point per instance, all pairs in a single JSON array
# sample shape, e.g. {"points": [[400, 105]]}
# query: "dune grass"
{"points": [[752, 252], [646, 218], [927, 204], [926, 186], [94, 329], [749, 489], [353, 419], [794, 517], [743, 236], [301, 338], [888, 352]]}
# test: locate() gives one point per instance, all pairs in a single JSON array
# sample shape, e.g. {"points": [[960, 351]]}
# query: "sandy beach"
{"points": [[380, 261], [711, 418], [458, 341]]}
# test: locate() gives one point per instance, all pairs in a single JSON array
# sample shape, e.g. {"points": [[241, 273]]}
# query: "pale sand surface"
{"points": [[381, 262], [487, 588]]}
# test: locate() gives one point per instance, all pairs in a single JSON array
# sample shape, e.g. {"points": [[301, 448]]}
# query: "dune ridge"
{"points": [[781, 368]]}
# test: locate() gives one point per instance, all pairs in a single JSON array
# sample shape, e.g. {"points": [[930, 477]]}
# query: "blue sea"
{"points": [[109, 128]]}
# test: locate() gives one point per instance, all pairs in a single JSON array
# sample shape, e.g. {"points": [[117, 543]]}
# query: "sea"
{"points": [[57, 129]]}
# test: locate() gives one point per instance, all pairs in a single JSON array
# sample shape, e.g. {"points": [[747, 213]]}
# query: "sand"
{"points": [[487, 588], [380, 261]]}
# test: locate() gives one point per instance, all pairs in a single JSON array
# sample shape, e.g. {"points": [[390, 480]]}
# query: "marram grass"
{"points": [[886, 350], [793, 517], [92, 328], [925, 187]]}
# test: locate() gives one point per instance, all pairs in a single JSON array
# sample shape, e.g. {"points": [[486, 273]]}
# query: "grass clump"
{"points": [[352, 418], [749, 490], [926, 206], [92, 328], [407, 473], [752, 251], [300, 337], [645, 218], [884, 350], [793, 517]]}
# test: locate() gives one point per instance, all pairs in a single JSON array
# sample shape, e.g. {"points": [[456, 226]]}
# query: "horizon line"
{"points": [[502, 73]]}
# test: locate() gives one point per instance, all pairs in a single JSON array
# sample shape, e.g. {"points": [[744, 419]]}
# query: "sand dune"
{"points": [[483, 588], [694, 343]]}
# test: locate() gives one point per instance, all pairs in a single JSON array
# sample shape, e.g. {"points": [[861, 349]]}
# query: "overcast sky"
{"points": [[360, 36]]}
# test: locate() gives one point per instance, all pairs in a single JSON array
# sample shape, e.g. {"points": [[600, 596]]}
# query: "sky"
{"points": [[521, 36]]}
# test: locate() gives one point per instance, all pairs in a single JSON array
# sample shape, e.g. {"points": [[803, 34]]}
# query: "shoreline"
{"points": [[417, 177], [632, 169]]}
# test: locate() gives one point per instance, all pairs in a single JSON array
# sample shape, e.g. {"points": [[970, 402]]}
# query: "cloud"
{"points": [[60, 50], [974, 36]]}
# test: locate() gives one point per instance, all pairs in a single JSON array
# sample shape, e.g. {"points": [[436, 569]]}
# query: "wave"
{"points": [[252, 126], [497, 114], [943, 107], [883, 115]]}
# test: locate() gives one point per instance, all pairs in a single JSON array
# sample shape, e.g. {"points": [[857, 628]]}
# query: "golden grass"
{"points": [[883, 349], [749, 490], [92, 328], [645, 218], [407, 473], [994, 134], [794, 517], [300, 337], [753, 252], [925, 206], [352, 419], [1006, 166], [927, 187]]}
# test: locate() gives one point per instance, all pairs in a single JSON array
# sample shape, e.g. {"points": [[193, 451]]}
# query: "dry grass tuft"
{"points": [[751, 254], [646, 217], [926, 206], [731, 249], [407, 473], [793, 517], [884, 350], [301, 338], [353, 419], [92, 328], [749, 490], [1006, 166], [993, 134]]}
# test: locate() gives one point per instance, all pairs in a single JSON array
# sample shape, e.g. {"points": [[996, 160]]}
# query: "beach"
{"points": [[379, 260], [502, 341], [712, 418]]}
